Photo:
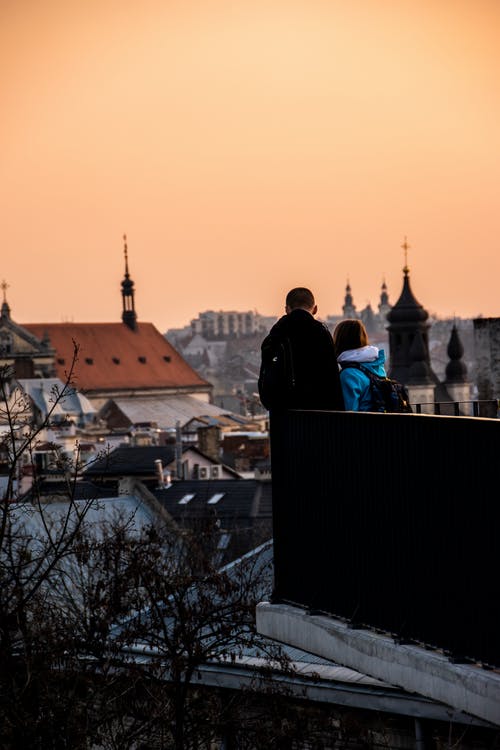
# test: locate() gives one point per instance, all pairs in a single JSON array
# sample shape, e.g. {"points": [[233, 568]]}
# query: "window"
{"points": [[89, 360], [116, 360], [167, 358], [6, 346], [142, 360], [215, 498], [185, 500], [223, 542]]}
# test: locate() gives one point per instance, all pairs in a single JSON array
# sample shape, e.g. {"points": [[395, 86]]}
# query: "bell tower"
{"points": [[129, 316], [408, 335]]}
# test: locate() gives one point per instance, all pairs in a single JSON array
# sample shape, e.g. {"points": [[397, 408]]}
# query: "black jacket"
{"points": [[299, 366]]}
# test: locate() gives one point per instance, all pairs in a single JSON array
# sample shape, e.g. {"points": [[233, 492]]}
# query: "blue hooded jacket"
{"points": [[355, 384]]}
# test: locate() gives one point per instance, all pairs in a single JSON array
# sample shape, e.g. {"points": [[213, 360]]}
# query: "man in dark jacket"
{"points": [[299, 365]]}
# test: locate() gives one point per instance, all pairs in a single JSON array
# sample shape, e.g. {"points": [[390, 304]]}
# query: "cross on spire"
{"points": [[126, 255], [406, 247], [4, 286]]}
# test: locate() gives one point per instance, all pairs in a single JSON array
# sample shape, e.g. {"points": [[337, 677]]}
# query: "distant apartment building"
{"points": [[487, 354], [213, 324]]}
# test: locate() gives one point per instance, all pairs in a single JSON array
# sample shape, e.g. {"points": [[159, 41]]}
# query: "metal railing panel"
{"points": [[391, 521]]}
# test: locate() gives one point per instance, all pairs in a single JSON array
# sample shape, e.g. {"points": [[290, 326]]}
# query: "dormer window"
{"points": [[6, 346], [215, 498], [185, 500]]}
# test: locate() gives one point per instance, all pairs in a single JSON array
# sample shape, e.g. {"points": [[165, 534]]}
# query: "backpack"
{"points": [[277, 375], [388, 395]]}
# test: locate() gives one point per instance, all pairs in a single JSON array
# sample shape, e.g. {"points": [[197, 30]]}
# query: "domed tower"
{"points": [[456, 369], [407, 321], [129, 316], [456, 380], [368, 317], [383, 305], [349, 308]]}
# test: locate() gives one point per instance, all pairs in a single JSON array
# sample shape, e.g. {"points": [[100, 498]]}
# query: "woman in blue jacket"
{"points": [[351, 345]]}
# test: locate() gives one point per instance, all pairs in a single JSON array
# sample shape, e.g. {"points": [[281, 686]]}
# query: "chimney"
{"points": [[209, 441], [178, 450], [159, 472]]}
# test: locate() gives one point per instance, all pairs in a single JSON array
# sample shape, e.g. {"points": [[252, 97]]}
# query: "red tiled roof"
{"points": [[112, 356]]}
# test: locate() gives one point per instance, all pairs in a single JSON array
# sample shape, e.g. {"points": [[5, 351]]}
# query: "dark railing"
{"points": [[489, 408], [391, 521]]}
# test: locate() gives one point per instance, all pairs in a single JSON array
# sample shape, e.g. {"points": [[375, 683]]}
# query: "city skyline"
{"points": [[246, 148]]}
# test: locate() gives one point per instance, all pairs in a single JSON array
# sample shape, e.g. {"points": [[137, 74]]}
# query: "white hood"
{"points": [[362, 354]]}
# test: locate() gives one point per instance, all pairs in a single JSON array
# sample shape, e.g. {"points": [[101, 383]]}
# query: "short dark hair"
{"points": [[300, 297], [349, 334]]}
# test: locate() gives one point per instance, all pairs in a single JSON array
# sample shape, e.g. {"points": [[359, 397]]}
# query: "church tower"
{"points": [[129, 316], [456, 381], [409, 336], [349, 308], [22, 353], [383, 305]]}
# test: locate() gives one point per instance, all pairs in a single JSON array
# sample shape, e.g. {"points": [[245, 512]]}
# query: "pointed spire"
{"points": [[127, 275], [129, 316], [348, 295], [5, 312], [407, 308], [384, 297], [408, 335], [406, 247]]}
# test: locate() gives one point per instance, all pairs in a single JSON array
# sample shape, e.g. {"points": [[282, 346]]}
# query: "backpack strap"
{"points": [[372, 378], [357, 366], [369, 373]]}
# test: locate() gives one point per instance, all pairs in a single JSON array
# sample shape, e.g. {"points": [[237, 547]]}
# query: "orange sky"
{"points": [[246, 147]]}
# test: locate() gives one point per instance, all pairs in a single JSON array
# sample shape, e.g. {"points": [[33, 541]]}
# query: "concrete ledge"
{"points": [[464, 687]]}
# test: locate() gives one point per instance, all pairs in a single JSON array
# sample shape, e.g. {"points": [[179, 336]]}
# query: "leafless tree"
{"points": [[104, 625], [33, 548]]}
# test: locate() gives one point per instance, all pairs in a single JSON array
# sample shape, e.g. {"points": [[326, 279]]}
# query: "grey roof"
{"points": [[80, 490], [98, 512], [313, 678], [132, 460], [139, 461], [243, 498], [45, 394], [165, 411]]}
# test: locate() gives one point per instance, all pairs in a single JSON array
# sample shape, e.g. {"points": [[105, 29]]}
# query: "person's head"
{"points": [[349, 334], [300, 298]]}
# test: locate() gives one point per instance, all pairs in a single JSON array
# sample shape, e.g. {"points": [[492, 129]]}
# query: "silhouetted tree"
{"points": [[104, 624]]}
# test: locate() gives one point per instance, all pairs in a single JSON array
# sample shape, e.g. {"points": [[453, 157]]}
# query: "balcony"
{"points": [[386, 549]]}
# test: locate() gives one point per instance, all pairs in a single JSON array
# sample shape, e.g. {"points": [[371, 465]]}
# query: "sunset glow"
{"points": [[245, 148]]}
